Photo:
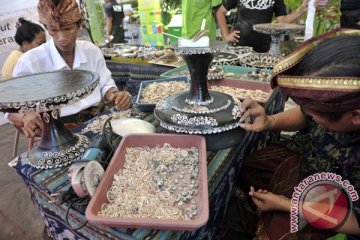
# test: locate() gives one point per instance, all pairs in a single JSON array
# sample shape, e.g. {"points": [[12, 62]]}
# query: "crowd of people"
{"points": [[322, 76]]}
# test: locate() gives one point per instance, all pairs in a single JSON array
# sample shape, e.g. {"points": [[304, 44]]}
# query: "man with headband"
{"points": [[323, 78], [62, 19]]}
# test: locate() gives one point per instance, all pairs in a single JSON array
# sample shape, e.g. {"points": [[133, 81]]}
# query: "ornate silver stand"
{"points": [[58, 146], [277, 31], [198, 110], [46, 93]]}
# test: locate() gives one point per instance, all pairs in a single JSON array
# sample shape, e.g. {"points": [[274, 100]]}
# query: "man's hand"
{"points": [[121, 99], [109, 38], [33, 124]]}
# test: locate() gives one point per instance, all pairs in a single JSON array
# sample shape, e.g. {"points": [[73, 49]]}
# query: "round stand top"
{"points": [[259, 60], [214, 47], [278, 28], [46, 91]]}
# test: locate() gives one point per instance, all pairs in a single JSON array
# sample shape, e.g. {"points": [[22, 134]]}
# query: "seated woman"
{"points": [[28, 35], [323, 78]]}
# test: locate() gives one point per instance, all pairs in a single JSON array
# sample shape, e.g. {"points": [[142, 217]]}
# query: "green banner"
{"points": [[151, 24]]}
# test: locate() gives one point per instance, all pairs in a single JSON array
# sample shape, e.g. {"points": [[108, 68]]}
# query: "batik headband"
{"points": [[65, 13], [325, 94]]}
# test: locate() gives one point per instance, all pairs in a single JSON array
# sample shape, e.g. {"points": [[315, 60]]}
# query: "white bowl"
{"points": [[125, 126]]}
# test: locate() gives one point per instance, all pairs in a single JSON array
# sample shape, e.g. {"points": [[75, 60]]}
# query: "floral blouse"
{"points": [[323, 150]]}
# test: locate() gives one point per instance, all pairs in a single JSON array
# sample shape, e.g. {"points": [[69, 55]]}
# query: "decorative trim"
{"points": [[278, 28], [292, 59], [321, 83], [198, 121], [219, 60], [236, 113], [49, 104], [258, 5], [198, 102], [63, 157], [186, 130], [216, 74], [289, 61], [201, 110], [215, 47], [260, 60]]}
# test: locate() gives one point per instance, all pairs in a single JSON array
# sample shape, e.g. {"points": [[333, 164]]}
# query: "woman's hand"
{"points": [[121, 99], [260, 120], [267, 201], [33, 124]]}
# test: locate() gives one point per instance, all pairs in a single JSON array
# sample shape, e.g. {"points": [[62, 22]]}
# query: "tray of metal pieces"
{"points": [[229, 71], [153, 91], [146, 185], [214, 73], [259, 60]]}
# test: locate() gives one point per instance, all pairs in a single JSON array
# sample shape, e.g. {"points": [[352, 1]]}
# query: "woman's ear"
{"points": [[355, 117]]}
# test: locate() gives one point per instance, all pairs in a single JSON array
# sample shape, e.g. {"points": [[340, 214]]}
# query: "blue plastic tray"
{"points": [[235, 72], [149, 107]]}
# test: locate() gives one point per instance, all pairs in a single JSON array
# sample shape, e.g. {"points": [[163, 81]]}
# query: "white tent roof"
{"points": [[14, 5]]}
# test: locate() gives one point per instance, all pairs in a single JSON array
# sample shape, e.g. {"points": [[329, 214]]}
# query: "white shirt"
{"points": [[46, 58]]}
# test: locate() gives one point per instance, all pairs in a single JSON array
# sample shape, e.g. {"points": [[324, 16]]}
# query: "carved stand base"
{"points": [[214, 121], [58, 146]]}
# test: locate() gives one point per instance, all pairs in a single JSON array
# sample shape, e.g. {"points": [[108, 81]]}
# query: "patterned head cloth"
{"points": [[323, 94], [65, 13]]}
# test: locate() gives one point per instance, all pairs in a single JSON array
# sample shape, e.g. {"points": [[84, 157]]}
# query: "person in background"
{"points": [[62, 19], [254, 12], [323, 78], [28, 35], [350, 14], [193, 13], [114, 14]]}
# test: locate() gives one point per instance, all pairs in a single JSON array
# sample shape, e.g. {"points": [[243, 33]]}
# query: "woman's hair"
{"points": [[350, 19], [27, 31], [335, 57]]}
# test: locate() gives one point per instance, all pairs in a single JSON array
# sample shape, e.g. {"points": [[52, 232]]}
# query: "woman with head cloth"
{"points": [[62, 19], [28, 35], [323, 78]]}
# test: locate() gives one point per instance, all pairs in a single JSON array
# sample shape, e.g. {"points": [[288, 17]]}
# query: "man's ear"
{"points": [[355, 117]]}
